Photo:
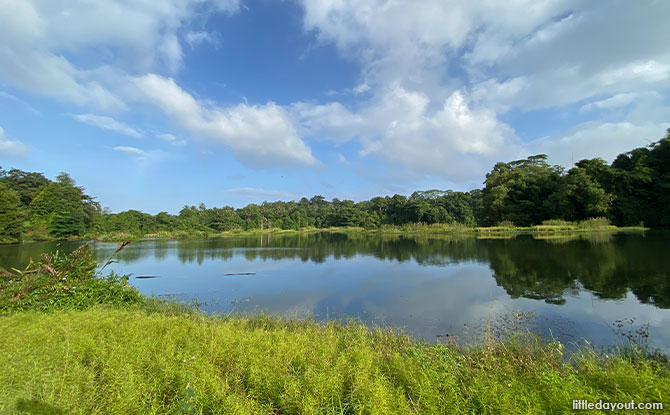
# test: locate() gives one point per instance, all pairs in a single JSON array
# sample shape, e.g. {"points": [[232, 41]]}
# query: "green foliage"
{"points": [[556, 222], [26, 185], [579, 196], [505, 224], [594, 223], [60, 281], [63, 209], [11, 215], [517, 191], [131, 361]]}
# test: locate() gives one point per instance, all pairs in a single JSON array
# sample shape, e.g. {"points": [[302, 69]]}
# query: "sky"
{"points": [[153, 105]]}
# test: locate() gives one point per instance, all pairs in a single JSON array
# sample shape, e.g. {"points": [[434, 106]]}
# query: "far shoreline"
{"points": [[539, 231]]}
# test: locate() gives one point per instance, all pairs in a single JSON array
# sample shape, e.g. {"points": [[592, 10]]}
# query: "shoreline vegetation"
{"points": [[90, 344], [547, 229], [406, 230]]}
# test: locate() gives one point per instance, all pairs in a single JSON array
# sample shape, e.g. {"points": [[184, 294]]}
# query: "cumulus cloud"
{"points": [[454, 140], [11, 148], [455, 68], [42, 39], [584, 51], [107, 123], [258, 135]]}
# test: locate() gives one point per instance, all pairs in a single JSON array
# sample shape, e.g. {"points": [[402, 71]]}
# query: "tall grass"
{"points": [[130, 361], [595, 223]]}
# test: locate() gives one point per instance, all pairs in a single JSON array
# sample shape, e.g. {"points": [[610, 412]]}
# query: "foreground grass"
{"points": [[107, 360], [113, 351]]}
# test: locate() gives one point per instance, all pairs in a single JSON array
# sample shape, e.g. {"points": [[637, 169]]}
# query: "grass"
{"points": [[115, 352], [107, 360], [505, 228]]}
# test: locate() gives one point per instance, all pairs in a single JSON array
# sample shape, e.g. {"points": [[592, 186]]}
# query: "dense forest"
{"points": [[634, 189]]}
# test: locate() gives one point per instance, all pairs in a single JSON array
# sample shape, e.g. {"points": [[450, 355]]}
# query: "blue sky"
{"points": [[155, 105]]}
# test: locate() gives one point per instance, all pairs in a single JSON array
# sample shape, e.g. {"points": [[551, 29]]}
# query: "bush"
{"points": [[505, 224], [60, 281], [557, 222], [595, 223]]}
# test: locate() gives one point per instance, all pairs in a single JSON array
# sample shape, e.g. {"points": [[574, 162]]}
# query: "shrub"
{"points": [[60, 281], [557, 222], [505, 224], [595, 223]]}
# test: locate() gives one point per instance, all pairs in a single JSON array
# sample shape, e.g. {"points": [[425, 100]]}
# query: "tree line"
{"points": [[633, 189]]}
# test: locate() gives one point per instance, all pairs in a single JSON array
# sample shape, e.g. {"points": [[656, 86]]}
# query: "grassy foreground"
{"points": [[112, 351]]}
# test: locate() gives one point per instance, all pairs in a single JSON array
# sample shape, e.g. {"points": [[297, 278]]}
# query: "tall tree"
{"points": [[11, 215], [26, 184], [517, 191]]}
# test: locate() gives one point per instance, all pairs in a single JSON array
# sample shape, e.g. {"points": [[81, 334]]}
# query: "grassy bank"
{"points": [[74, 343], [107, 360], [504, 229]]}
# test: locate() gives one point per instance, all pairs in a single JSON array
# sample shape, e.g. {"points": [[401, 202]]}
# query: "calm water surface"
{"points": [[429, 286]]}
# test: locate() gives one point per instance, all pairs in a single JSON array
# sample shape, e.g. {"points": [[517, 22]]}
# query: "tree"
{"points": [[517, 191], [11, 215], [27, 185], [63, 209], [579, 196]]}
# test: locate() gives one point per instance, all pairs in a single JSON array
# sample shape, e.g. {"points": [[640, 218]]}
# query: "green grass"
{"points": [[503, 228], [113, 351], [106, 360]]}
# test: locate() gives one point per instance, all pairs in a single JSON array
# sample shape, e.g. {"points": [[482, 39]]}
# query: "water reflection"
{"points": [[576, 286], [542, 269]]}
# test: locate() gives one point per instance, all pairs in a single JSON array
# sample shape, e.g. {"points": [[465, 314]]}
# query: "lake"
{"points": [[432, 287]]}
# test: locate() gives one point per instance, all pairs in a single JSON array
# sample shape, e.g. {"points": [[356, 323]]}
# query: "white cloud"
{"points": [[133, 151], [107, 123], [455, 139], [332, 121], [11, 148], [18, 100], [42, 39], [172, 139], [616, 101], [259, 136], [194, 38], [570, 56], [143, 158], [596, 139], [440, 73], [342, 159]]}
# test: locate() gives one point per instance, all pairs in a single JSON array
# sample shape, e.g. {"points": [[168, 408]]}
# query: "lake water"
{"points": [[429, 286]]}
